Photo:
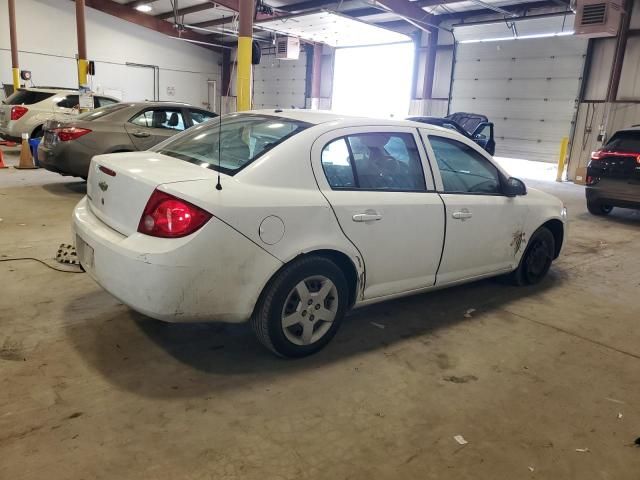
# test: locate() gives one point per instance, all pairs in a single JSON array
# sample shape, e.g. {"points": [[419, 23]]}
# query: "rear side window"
{"points": [[374, 161], [70, 101], [27, 97], [625, 142], [160, 118]]}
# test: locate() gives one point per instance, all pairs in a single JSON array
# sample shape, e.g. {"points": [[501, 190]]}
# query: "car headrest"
{"points": [[159, 118], [173, 120]]}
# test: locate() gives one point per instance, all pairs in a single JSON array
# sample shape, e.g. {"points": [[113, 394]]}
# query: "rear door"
{"points": [[385, 203], [484, 227], [155, 124]]}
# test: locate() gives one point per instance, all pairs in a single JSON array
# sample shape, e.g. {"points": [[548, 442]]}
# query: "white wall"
{"points": [[48, 46]]}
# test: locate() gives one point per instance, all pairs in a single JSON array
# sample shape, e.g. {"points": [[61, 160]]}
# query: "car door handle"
{"points": [[140, 134], [462, 214], [367, 217]]}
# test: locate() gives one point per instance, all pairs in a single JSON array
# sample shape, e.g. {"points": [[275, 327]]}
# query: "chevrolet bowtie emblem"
{"points": [[103, 186]]}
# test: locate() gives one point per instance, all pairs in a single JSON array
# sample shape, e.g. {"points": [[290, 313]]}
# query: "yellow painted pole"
{"points": [[564, 144], [245, 43], [83, 68], [16, 78]]}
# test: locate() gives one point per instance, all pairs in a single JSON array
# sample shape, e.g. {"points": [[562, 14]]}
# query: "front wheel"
{"points": [[302, 307], [536, 260], [596, 208]]}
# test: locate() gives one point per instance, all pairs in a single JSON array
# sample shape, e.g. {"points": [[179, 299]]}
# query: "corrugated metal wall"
{"points": [[527, 87], [280, 83]]}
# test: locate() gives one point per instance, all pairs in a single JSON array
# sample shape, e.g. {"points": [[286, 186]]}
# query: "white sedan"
{"points": [[289, 218]]}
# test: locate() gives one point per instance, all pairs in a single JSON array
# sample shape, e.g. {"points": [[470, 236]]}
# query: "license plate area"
{"points": [[85, 253]]}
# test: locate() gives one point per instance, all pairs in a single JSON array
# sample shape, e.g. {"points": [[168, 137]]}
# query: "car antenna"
{"points": [[219, 185]]}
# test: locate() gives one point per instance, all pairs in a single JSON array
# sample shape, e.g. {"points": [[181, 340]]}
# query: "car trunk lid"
{"points": [[120, 184]]}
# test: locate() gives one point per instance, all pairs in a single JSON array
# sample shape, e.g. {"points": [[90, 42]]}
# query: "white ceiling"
{"points": [[333, 29]]}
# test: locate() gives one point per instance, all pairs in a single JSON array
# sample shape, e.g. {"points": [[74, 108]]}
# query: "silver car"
{"points": [[67, 147], [26, 110]]}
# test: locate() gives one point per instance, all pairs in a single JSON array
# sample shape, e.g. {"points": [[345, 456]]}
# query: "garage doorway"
{"points": [[373, 81]]}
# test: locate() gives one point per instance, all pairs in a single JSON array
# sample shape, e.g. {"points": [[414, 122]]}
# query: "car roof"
{"points": [[318, 117], [633, 128], [50, 89], [148, 103]]}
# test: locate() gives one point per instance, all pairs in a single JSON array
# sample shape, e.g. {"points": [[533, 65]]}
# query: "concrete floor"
{"points": [[90, 389]]}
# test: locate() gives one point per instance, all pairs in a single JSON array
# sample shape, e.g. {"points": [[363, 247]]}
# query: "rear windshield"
{"points": [[101, 112], [27, 97], [244, 138], [625, 142]]}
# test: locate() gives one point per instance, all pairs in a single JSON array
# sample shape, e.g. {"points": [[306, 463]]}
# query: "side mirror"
{"points": [[515, 187]]}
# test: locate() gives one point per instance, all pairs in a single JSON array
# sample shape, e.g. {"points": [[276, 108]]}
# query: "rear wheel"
{"points": [[301, 309], [536, 261], [597, 208]]}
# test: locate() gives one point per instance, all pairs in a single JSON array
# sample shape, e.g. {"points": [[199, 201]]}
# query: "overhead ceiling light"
{"points": [[144, 8]]}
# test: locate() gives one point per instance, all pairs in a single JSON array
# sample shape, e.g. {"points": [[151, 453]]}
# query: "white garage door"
{"points": [[280, 83], [527, 87]]}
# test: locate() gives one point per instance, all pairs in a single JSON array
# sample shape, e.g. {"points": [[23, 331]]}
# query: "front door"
{"points": [[484, 227], [374, 178]]}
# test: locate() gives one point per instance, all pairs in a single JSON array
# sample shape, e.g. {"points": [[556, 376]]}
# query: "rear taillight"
{"points": [[167, 216], [70, 133], [18, 112], [600, 154]]}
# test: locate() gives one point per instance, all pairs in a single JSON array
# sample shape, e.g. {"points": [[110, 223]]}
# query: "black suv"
{"points": [[472, 125], [613, 174]]}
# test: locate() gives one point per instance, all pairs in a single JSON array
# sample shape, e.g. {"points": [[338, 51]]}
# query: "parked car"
{"points": [[303, 216], [472, 125], [613, 174], [67, 147], [26, 110]]}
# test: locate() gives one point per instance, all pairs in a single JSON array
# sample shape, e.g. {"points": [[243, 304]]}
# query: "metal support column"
{"points": [[15, 68], [82, 45], [245, 39]]}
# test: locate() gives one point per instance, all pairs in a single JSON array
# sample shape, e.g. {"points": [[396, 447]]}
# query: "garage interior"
{"points": [[482, 380]]}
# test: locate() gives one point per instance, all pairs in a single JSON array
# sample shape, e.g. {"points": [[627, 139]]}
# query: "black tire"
{"points": [[536, 260], [280, 295], [597, 208]]}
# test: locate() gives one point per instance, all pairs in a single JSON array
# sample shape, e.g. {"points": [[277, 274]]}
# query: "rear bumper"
{"points": [[9, 133], [215, 274], [625, 195], [65, 160]]}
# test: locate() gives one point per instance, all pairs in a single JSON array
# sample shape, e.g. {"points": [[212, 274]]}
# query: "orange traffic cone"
{"points": [[26, 160], [2, 165]]}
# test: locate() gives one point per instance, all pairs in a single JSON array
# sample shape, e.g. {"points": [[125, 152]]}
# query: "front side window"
{"points": [[70, 101], [377, 161], [160, 118], [463, 170], [241, 138]]}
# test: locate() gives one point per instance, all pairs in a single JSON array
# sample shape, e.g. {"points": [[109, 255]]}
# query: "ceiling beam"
{"points": [[409, 11], [137, 3], [187, 10], [307, 5], [126, 13], [521, 8]]}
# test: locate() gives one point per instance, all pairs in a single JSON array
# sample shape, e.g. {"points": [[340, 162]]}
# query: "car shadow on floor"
{"points": [[65, 188], [158, 359]]}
